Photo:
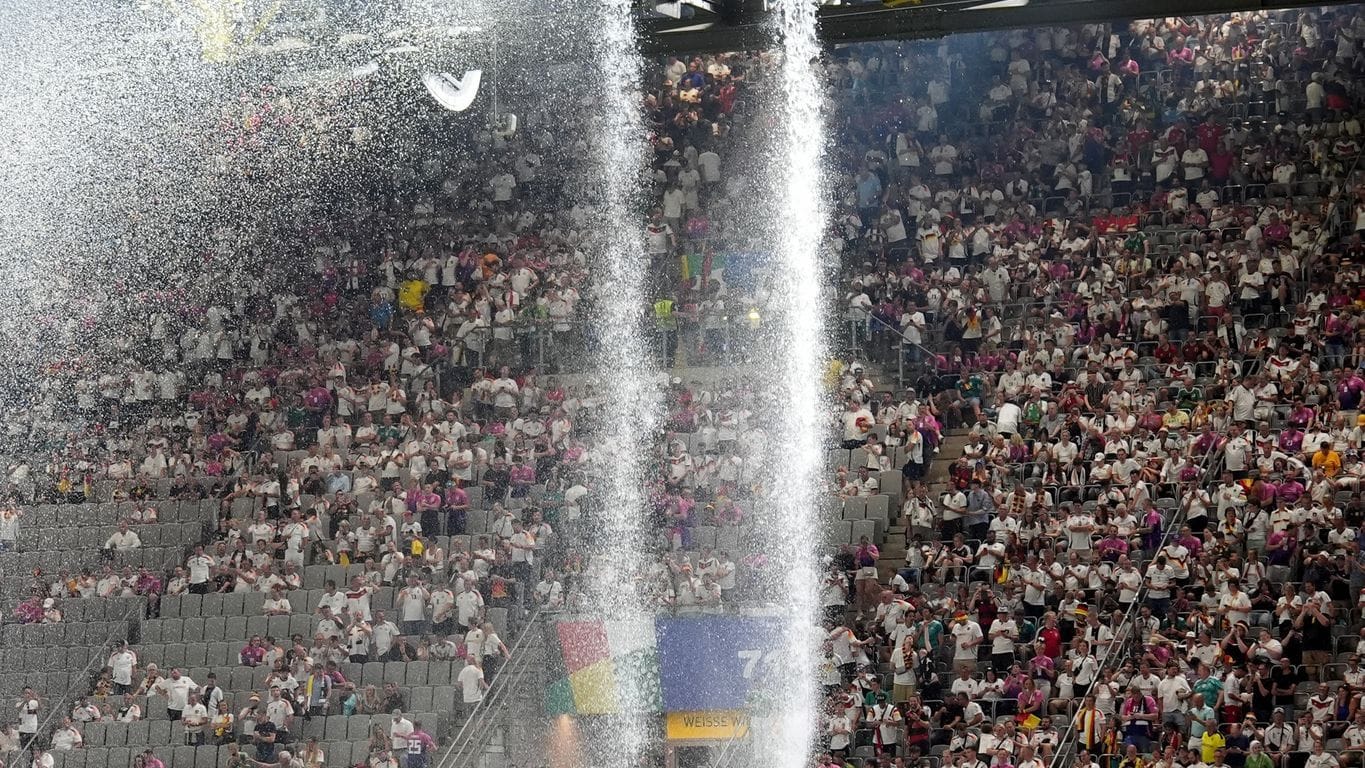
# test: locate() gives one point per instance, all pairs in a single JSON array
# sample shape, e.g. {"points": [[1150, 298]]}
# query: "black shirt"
{"points": [[265, 730], [497, 480], [950, 714], [1282, 678]]}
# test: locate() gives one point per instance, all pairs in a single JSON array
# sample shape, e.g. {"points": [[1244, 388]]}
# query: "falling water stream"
{"points": [[625, 378], [796, 170]]}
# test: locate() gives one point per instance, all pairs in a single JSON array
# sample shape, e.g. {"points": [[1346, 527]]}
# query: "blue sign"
{"points": [[716, 662]]}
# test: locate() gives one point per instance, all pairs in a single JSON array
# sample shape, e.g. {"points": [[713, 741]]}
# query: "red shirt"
{"points": [[252, 655], [1220, 164], [1177, 137], [1209, 134], [1052, 641]]}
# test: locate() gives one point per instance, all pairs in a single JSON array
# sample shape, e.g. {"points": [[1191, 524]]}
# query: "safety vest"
{"points": [[663, 315]]}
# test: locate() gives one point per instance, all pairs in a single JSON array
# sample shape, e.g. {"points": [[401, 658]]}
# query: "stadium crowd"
{"points": [[1127, 267], [1105, 256]]}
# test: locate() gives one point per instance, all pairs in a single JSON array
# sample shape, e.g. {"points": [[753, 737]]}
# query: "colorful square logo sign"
{"points": [[609, 667], [682, 664]]}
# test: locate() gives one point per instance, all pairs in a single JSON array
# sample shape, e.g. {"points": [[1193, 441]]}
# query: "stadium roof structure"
{"points": [[735, 25]]}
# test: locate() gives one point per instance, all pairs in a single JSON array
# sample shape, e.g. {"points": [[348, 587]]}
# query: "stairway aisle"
{"points": [[936, 477]]}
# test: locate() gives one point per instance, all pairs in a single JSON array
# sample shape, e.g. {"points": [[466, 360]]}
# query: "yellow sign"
{"points": [[713, 724]]}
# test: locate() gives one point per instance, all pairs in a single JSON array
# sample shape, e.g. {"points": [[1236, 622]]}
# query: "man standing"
{"points": [[420, 747], [412, 607], [400, 730], [966, 637], [316, 689], [472, 684], [176, 690], [195, 716], [280, 714], [122, 662], [1138, 713], [200, 567]]}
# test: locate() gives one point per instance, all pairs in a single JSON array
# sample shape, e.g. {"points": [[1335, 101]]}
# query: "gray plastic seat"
{"points": [[241, 679], [301, 624], [192, 605], [277, 627], [444, 699], [211, 605], [221, 654], [140, 733], [172, 655], [215, 627], [193, 629], [171, 630], [236, 628], [335, 729], [344, 753], [253, 603], [372, 673], [420, 698], [196, 654], [234, 604], [417, 672], [357, 728], [438, 673]]}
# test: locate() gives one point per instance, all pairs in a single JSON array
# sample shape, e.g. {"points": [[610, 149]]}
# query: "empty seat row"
{"points": [[849, 531], [110, 512], [50, 658], [88, 633], [74, 553], [230, 628], [49, 682]]}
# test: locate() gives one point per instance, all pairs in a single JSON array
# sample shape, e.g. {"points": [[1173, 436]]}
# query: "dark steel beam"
{"points": [[848, 24]]}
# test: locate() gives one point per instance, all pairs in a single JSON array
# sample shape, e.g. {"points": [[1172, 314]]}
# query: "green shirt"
{"points": [[1209, 688], [933, 633], [1188, 398], [971, 387]]}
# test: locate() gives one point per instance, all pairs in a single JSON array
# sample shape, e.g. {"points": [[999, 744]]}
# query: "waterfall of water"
{"points": [[799, 423], [625, 378]]}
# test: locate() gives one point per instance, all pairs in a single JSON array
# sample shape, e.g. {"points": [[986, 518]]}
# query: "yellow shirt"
{"points": [[1209, 744], [411, 294], [1328, 461]]}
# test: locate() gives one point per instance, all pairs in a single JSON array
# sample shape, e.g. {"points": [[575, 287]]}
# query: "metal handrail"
{"points": [[472, 736], [1326, 232], [1125, 633]]}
